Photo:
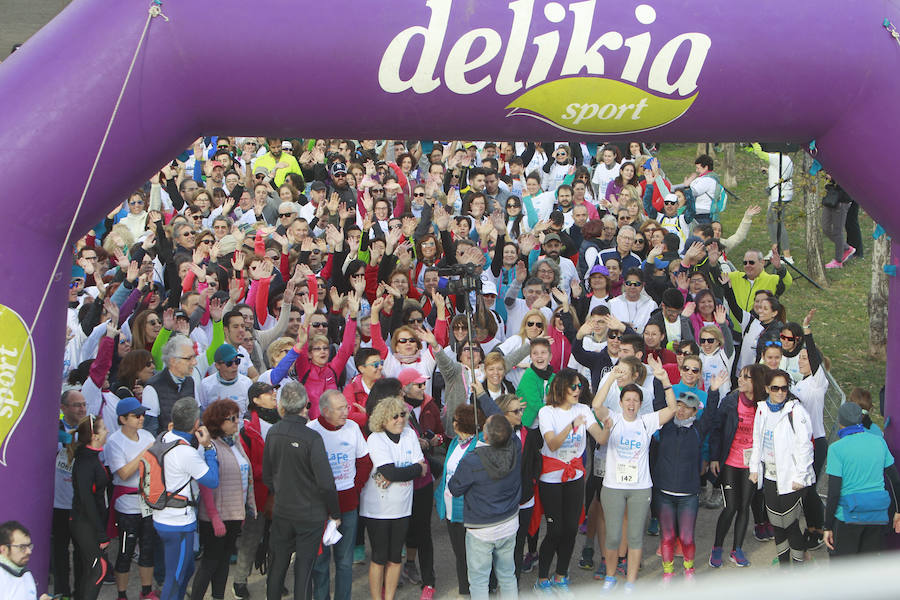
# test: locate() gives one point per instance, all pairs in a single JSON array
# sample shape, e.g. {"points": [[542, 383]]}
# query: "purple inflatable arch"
{"points": [[680, 70]]}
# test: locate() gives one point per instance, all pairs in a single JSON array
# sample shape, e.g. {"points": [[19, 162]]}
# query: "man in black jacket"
{"points": [[490, 480], [296, 470]]}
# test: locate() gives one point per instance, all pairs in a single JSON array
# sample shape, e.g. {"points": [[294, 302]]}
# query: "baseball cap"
{"points": [[286, 145], [338, 167], [129, 406], [260, 171], [488, 287], [317, 186], [408, 376], [225, 352], [180, 314], [690, 399], [599, 269], [849, 414], [552, 237]]}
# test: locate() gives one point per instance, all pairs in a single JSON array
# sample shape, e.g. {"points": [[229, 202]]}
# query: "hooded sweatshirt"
{"points": [[490, 480]]}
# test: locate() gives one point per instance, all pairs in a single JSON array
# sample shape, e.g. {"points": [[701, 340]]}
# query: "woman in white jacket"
{"points": [[781, 463]]}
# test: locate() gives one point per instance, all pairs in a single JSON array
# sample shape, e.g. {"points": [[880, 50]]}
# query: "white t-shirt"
{"points": [[211, 389], [514, 316], [628, 452], [244, 467], [18, 588], [395, 500], [554, 419], [635, 313], [183, 464], [343, 446], [120, 451]]}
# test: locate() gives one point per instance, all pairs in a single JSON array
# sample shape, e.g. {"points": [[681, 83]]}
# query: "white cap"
{"points": [[488, 287]]}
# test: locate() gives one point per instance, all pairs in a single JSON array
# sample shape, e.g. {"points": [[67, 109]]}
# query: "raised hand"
{"points": [[121, 259], [655, 365], [498, 222], [693, 254], [576, 288], [752, 211], [441, 217], [234, 290], [112, 309], [724, 279], [560, 296], [133, 271], [216, 309], [237, 263], [717, 380], [377, 305], [169, 319], [681, 279], [214, 252], [720, 314], [776, 258], [353, 305], [689, 308], [807, 320], [521, 272]]}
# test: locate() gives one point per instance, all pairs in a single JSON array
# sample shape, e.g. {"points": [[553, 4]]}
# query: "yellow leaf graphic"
{"points": [[16, 374], [597, 105]]}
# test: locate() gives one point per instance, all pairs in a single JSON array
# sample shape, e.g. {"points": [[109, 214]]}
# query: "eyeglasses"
{"points": [[377, 190], [773, 343], [779, 388], [460, 327], [285, 215], [154, 322], [575, 386], [191, 357], [405, 340], [399, 415], [22, 547], [418, 195], [516, 411], [232, 418], [633, 283], [613, 335], [375, 364], [358, 275], [229, 363], [691, 369], [319, 324], [320, 348], [788, 338], [415, 321], [708, 340], [749, 262], [535, 324]]}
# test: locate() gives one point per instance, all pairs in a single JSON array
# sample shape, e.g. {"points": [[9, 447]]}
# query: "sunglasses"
{"points": [[399, 415], [420, 195], [377, 190], [320, 349], [535, 324], [458, 327], [415, 321], [749, 262], [285, 215], [685, 353], [319, 324], [613, 335], [575, 386], [135, 202], [773, 343], [670, 203], [154, 322], [358, 276], [375, 364], [633, 283], [788, 338], [708, 340], [779, 388], [512, 205], [405, 340], [691, 369], [206, 241], [228, 363]]}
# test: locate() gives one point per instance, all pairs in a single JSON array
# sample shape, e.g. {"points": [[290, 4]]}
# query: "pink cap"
{"points": [[408, 376]]}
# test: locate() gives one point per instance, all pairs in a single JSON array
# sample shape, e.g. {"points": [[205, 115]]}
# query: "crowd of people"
{"points": [[319, 342]]}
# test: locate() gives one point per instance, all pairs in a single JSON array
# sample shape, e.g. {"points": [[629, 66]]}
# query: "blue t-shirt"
{"points": [[859, 460]]}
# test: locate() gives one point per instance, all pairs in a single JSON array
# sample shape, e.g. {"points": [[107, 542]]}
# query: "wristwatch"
{"points": [[209, 447]]}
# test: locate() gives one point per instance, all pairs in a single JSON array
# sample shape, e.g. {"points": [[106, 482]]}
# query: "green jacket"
{"points": [[532, 390], [777, 283]]}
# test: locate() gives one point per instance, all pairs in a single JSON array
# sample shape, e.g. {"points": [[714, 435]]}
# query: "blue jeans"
{"points": [[178, 547], [481, 555], [343, 562]]}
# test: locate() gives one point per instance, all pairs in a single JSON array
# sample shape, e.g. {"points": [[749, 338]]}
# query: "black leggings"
{"points": [[216, 559], [92, 563], [813, 508], [784, 514], [562, 503], [134, 530], [738, 491], [521, 534], [418, 535], [62, 538], [457, 533]]}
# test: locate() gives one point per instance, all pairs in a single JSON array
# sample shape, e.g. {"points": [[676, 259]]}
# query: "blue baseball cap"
{"points": [[225, 353], [128, 406]]}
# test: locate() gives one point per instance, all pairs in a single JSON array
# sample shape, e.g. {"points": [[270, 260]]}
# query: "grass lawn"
{"points": [[841, 323]]}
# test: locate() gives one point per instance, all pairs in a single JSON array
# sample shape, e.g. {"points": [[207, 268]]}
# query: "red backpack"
{"points": [[152, 477]]}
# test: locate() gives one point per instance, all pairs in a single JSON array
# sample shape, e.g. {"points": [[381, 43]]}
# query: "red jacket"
{"points": [[356, 398], [318, 379], [252, 441]]}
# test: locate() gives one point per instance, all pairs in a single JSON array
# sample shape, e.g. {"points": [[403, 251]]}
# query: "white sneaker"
{"points": [[768, 256], [788, 259]]}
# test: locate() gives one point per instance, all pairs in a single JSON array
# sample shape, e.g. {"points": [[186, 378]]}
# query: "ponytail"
{"points": [[82, 435]]}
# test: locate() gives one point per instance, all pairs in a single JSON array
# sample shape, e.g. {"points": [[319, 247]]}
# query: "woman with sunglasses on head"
{"points": [[222, 510], [564, 426], [386, 499], [730, 447], [627, 484], [781, 463]]}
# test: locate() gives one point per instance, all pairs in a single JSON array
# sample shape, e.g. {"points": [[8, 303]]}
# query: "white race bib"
{"points": [[770, 471], [626, 472], [747, 453], [146, 511]]}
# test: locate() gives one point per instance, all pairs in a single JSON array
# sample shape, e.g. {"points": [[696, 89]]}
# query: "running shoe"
{"points": [[814, 540], [609, 583], [770, 531], [738, 558], [600, 573], [543, 588], [715, 557], [667, 578], [240, 591], [850, 251], [359, 555], [689, 575], [788, 259], [427, 593], [587, 559], [834, 264], [561, 586], [411, 573], [151, 596], [761, 532], [653, 527], [622, 567], [629, 587], [528, 562]]}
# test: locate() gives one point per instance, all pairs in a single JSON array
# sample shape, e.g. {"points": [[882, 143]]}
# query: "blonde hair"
{"points": [[506, 402], [397, 335], [528, 315], [715, 332], [494, 358], [282, 343], [384, 410], [121, 230]]}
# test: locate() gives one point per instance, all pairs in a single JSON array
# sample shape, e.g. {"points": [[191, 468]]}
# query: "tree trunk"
{"points": [[878, 298], [707, 148], [815, 267], [728, 166]]}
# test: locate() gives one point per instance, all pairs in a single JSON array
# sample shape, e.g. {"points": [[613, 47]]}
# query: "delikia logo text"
{"points": [[580, 97]]}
